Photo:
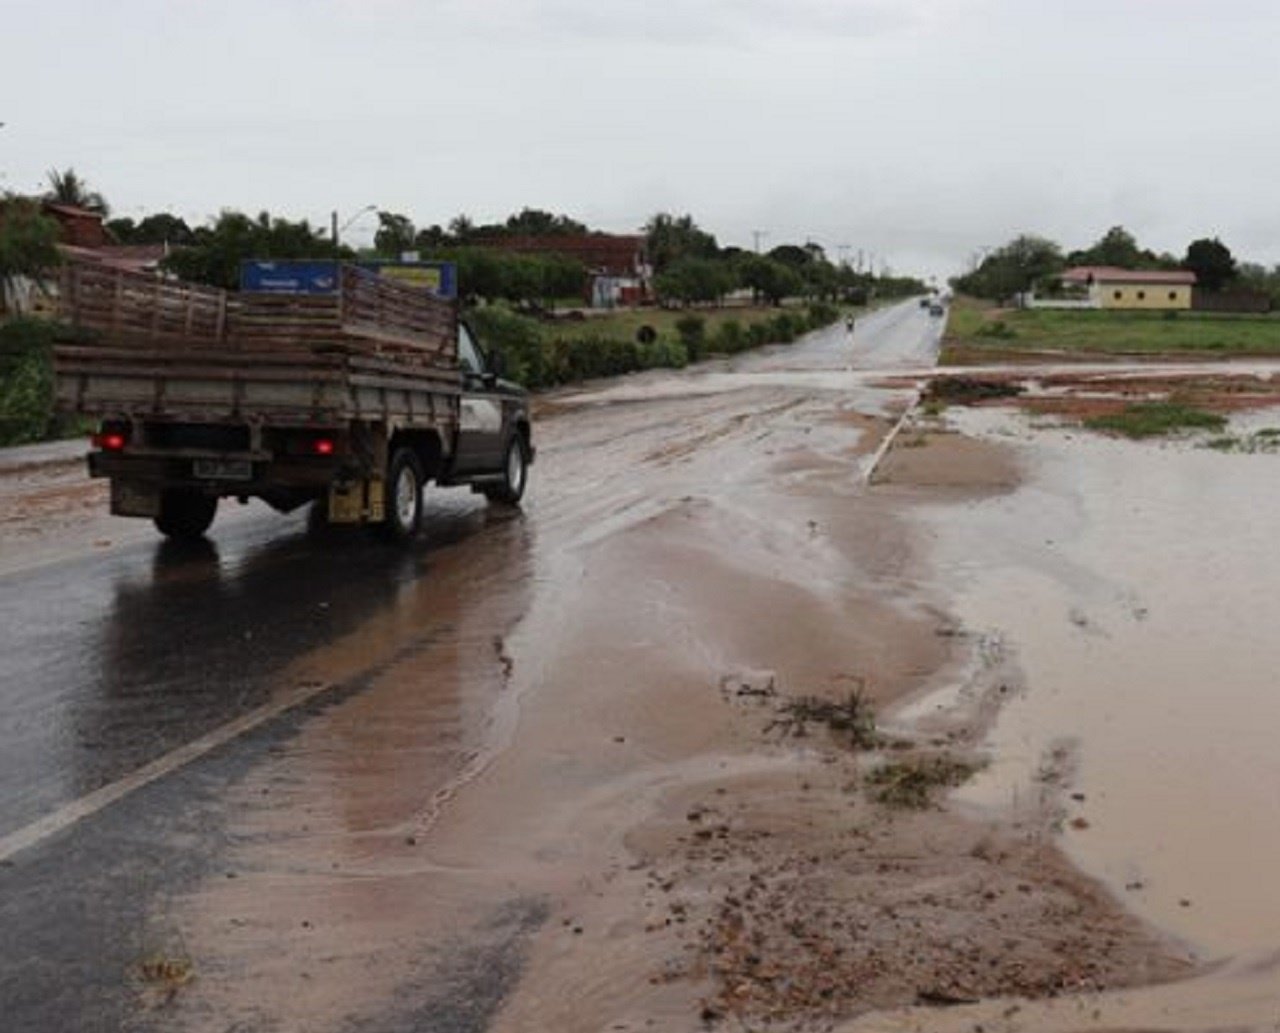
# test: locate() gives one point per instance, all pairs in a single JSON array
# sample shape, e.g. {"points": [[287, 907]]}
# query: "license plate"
{"points": [[224, 469], [136, 499]]}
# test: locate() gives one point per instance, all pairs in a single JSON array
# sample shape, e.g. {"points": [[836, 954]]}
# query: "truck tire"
{"points": [[515, 475], [185, 514], [404, 497]]}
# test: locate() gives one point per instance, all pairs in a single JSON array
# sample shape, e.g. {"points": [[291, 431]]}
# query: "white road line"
{"points": [[887, 443], [69, 814]]}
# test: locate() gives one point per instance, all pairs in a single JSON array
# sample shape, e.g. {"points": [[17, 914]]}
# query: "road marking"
{"points": [[887, 443], [87, 806]]}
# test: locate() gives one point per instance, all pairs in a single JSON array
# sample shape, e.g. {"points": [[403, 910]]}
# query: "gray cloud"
{"points": [[918, 129]]}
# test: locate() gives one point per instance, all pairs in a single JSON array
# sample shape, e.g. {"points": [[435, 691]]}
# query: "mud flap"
{"points": [[351, 502], [134, 498]]}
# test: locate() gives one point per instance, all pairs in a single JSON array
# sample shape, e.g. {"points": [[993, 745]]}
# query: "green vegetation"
{"points": [[911, 783], [543, 354], [28, 241], [1265, 440], [974, 328], [26, 384], [1154, 419], [215, 252]]}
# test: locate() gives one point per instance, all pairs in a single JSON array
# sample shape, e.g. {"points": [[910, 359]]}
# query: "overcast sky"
{"points": [[920, 130]]}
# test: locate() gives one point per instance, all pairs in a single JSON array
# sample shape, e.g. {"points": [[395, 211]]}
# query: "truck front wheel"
{"points": [[515, 474], [185, 513], [404, 496]]}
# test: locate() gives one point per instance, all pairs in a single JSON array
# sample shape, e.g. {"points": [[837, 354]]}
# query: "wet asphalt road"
{"points": [[112, 660]]}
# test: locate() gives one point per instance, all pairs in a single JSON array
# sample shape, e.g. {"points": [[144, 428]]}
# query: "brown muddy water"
{"points": [[1133, 584]]}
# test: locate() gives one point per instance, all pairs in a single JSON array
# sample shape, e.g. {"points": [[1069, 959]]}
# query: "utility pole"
{"points": [[757, 236], [333, 228], [842, 250]]}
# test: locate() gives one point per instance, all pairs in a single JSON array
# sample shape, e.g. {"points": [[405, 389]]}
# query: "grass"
{"points": [[1155, 419], [910, 784], [975, 327], [1265, 440]]}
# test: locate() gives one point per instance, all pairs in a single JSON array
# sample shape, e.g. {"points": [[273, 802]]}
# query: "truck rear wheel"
{"points": [[185, 514], [515, 475], [404, 496]]}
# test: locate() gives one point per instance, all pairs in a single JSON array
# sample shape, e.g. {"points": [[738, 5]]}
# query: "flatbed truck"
{"points": [[351, 400]]}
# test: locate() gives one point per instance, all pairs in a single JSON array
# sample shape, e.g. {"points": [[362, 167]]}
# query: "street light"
{"points": [[338, 231]]}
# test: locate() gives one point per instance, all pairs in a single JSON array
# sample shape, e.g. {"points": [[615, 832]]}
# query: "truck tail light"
{"points": [[323, 446], [111, 439]]}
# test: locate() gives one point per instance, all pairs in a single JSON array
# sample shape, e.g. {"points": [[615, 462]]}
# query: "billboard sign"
{"points": [[289, 277], [321, 277], [440, 278]]}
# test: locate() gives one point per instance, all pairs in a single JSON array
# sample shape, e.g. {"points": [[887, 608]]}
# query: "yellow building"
{"points": [[1109, 287]]}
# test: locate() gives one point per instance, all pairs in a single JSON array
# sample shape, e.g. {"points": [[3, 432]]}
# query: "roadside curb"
{"points": [[889, 439], [49, 455]]}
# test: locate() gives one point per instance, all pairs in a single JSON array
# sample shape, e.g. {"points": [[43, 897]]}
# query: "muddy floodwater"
{"points": [[622, 760], [1134, 585]]}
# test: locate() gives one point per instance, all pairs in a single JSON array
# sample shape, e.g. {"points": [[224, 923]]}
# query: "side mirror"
{"points": [[498, 362]]}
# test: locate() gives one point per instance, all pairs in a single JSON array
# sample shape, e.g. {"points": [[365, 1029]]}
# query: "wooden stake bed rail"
{"points": [[367, 315], [148, 348]]}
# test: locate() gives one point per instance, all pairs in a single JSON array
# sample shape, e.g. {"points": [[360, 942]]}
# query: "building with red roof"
{"points": [[1109, 287]]}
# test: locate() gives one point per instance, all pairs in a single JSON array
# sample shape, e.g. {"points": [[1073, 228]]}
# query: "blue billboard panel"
{"points": [[289, 277]]}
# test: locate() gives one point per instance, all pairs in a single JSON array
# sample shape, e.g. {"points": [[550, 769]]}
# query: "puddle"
{"points": [[1133, 584]]}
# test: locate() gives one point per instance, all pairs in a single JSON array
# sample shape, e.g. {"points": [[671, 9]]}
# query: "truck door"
{"points": [[480, 432]]}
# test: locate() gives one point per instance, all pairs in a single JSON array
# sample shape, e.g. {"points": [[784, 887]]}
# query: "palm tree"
{"points": [[68, 188]]}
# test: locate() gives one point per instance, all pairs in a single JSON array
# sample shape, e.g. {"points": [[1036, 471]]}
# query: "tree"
{"points": [[1212, 262], [434, 236], [791, 255], [28, 241], [1117, 247], [462, 228], [670, 238], [1013, 268], [217, 250], [770, 278], [395, 235], [534, 222], [690, 279], [160, 228], [68, 188]]}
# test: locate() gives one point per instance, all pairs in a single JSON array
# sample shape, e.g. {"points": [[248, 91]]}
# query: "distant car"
{"points": [[936, 309], [925, 303]]}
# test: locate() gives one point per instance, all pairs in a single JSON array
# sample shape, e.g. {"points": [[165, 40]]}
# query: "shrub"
{"points": [[822, 314], [518, 338], [666, 354], [783, 328], [26, 382], [693, 331], [730, 337]]}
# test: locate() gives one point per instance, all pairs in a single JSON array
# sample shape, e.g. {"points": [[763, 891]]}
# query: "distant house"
{"points": [[1108, 287], [81, 236], [618, 270]]}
